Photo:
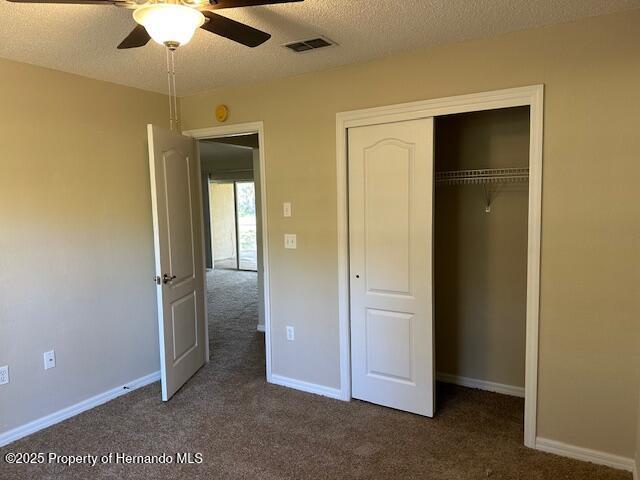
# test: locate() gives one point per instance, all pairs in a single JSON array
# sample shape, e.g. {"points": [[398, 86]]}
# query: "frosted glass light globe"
{"points": [[169, 24]]}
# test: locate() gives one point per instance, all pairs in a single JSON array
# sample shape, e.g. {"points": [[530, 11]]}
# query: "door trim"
{"points": [[247, 129], [532, 96]]}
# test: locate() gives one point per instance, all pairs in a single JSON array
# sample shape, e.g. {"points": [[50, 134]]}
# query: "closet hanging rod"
{"points": [[482, 176]]}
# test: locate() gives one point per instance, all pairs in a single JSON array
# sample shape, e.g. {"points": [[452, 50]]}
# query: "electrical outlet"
{"points": [[4, 375], [290, 241], [49, 359], [291, 334]]}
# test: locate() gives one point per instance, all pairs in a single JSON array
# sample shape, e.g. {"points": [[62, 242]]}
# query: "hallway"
{"points": [[232, 307]]}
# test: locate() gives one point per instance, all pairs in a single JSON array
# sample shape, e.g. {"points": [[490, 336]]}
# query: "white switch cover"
{"points": [[291, 334], [286, 209], [4, 375], [49, 359], [290, 241]]}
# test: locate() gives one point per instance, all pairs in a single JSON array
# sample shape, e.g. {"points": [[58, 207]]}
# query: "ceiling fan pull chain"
{"points": [[173, 100], [175, 91], [169, 83]]}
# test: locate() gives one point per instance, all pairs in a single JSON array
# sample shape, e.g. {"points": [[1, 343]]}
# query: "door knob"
{"points": [[166, 278]]}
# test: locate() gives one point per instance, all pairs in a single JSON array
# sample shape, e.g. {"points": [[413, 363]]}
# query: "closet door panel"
{"points": [[387, 201], [388, 336], [390, 228]]}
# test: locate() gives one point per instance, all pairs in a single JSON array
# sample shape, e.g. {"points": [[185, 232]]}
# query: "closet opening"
{"points": [[481, 215]]}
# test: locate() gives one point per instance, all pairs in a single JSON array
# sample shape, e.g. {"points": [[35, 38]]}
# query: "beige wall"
{"points": [[590, 261], [76, 249], [223, 233], [480, 258]]}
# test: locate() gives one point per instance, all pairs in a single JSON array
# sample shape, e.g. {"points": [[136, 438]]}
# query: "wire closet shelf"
{"points": [[483, 176]]}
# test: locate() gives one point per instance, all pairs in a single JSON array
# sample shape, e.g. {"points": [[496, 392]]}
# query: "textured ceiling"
{"points": [[82, 39]]}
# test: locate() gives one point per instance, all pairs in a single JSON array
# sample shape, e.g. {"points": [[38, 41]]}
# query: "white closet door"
{"points": [[390, 228]]}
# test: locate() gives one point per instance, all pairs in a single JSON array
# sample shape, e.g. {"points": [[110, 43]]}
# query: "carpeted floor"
{"points": [[248, 429]]}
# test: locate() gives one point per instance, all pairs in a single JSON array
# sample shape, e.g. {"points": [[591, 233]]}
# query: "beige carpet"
{"points": [[247, 429]]}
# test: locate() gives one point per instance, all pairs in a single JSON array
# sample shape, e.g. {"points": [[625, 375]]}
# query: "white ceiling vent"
{"points": [[311, 44]]}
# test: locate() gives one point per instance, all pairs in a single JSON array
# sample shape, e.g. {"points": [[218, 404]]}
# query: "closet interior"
{"points": [[480, 248]]}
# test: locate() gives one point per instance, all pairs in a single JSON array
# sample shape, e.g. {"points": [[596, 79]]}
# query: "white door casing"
{"points": [[532, 96], [178, 243], [245, 129], [391, 278]]}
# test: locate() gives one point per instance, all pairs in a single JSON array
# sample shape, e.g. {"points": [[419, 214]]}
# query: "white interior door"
{"points": [[177, 230], [390, 229]]}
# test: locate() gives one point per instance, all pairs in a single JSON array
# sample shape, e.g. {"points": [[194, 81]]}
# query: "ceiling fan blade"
{"points": [[78, 2], [217, 4], [137, 38], [236, 31]]}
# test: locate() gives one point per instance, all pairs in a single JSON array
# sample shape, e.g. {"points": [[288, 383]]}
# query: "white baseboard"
{"points": [[306, 386], [481, 384], [585, 454], [56, 417], [260, 328]]}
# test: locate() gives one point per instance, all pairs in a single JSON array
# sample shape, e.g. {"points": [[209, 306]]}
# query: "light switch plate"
{"points": [[291, 334], [49, 359], [4, 375], [286, 209], [290, 241]]}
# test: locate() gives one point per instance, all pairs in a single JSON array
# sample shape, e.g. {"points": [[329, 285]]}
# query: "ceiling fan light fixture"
{"points": [[169, 24]]}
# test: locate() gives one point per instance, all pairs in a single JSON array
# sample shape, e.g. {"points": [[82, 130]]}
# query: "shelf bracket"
{"points": [[487, 198]]}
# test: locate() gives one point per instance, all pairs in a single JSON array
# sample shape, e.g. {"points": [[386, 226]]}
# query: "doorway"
{"points": [[240, 175], [189, 308], [531, 97], [230, 167]]}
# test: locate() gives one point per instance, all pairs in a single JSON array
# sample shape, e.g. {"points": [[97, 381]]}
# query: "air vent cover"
{"points": [[311, 44]]}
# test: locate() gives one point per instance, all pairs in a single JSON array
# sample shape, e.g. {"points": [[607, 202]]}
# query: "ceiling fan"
{"points": [[172, 23]]}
